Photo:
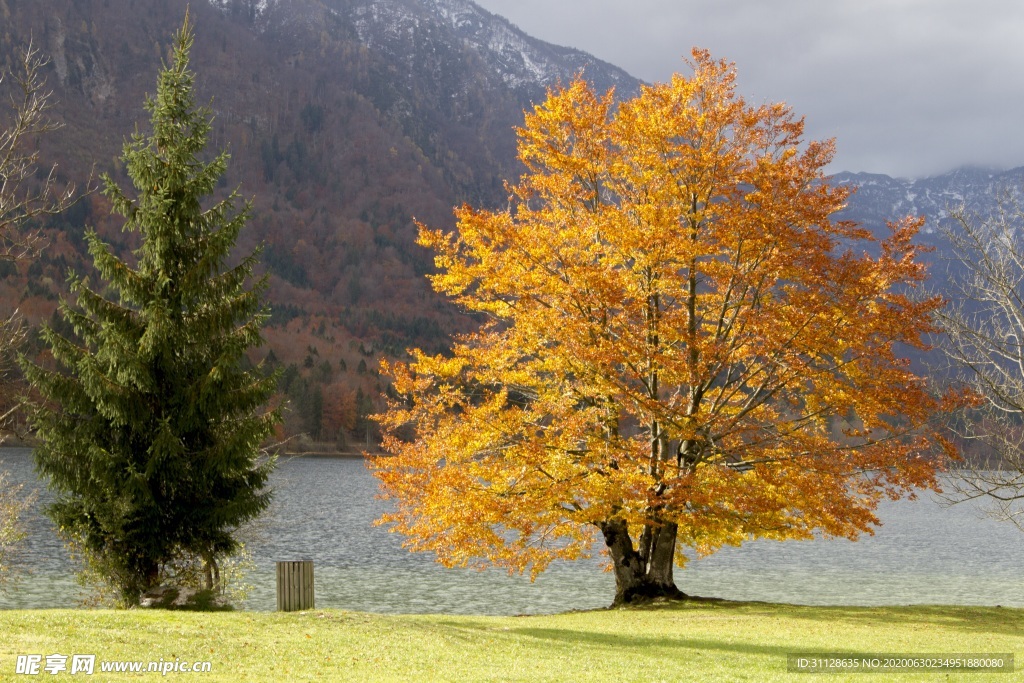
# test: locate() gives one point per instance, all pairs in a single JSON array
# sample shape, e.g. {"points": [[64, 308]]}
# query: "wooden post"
{"points": [[294, 585]]}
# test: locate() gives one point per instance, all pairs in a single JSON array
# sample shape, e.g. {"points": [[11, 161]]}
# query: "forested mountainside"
{"points": [[345, 120]]}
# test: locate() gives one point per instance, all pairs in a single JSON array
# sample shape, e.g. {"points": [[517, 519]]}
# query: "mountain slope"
{"points": [[880, 197], [344, 118], [408, 29]]}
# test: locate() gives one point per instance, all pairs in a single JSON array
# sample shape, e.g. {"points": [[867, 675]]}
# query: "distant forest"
{"points": [[337, 152]]}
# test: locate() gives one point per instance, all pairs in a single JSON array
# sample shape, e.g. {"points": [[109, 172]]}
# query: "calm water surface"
{"points": [[324, 509]]}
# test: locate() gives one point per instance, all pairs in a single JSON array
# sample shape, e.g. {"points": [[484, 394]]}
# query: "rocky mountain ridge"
{"points": [[521, 62], [411, 30], [880, 198]]}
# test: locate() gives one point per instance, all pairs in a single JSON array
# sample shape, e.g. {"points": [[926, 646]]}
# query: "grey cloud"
{"points": [[907, 87]]}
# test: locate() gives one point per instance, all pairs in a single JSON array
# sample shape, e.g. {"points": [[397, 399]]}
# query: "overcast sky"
{"points": [[907, 87]]}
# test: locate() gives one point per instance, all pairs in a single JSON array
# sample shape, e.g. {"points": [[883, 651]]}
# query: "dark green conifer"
{"points": [[151, 428]]}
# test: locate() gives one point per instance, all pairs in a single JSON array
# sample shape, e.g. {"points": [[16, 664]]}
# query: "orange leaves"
{"points": [[568, 133], [679, 333]]}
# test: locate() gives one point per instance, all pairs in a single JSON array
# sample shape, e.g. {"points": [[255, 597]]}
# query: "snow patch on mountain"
{"points": [[880, 198], [514, 57], [257, 7]]}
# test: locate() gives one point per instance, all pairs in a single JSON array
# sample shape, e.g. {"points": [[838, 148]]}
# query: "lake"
{"points": [[924, 552]]}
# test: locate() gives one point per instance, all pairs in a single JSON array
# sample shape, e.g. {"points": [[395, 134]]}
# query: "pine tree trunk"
{"points": [[211, 572], [132, 584], [645, 573]]}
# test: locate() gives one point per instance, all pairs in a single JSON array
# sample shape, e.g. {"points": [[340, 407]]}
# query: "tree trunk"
{"points": [[645, 574], [211, 572]]}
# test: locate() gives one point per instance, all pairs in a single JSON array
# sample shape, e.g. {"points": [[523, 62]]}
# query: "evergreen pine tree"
{"points": [[151, 429]]}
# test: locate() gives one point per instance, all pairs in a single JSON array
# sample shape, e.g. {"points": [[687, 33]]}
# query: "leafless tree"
{"points": [[27, 193], [26, 196], [984, 343]]}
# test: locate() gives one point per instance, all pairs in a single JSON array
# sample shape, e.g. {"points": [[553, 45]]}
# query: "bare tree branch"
{"points": [[984, 344], [26, 193]]}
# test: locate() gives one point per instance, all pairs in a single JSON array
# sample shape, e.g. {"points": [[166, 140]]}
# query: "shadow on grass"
{"points": [[634, 643], [993, 620], [200, 601], [600, 644], [973, 619]]}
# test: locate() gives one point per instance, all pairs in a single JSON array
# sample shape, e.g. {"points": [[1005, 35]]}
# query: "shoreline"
{"points": [[325, 453]]}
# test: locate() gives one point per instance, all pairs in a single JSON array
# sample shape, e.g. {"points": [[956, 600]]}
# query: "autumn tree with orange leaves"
{"points": [[683, 350]]}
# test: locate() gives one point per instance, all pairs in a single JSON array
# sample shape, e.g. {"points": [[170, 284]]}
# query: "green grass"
{"points": [[695, 641]]}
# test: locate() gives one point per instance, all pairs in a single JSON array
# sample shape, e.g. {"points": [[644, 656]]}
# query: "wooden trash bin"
{"points": [[294, 585]]}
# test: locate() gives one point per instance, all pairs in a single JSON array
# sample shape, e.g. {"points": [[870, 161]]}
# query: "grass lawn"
{"points": [[696, 641]]}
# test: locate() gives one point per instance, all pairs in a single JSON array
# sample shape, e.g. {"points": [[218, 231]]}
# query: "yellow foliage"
{"points": [[677, 324]]}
